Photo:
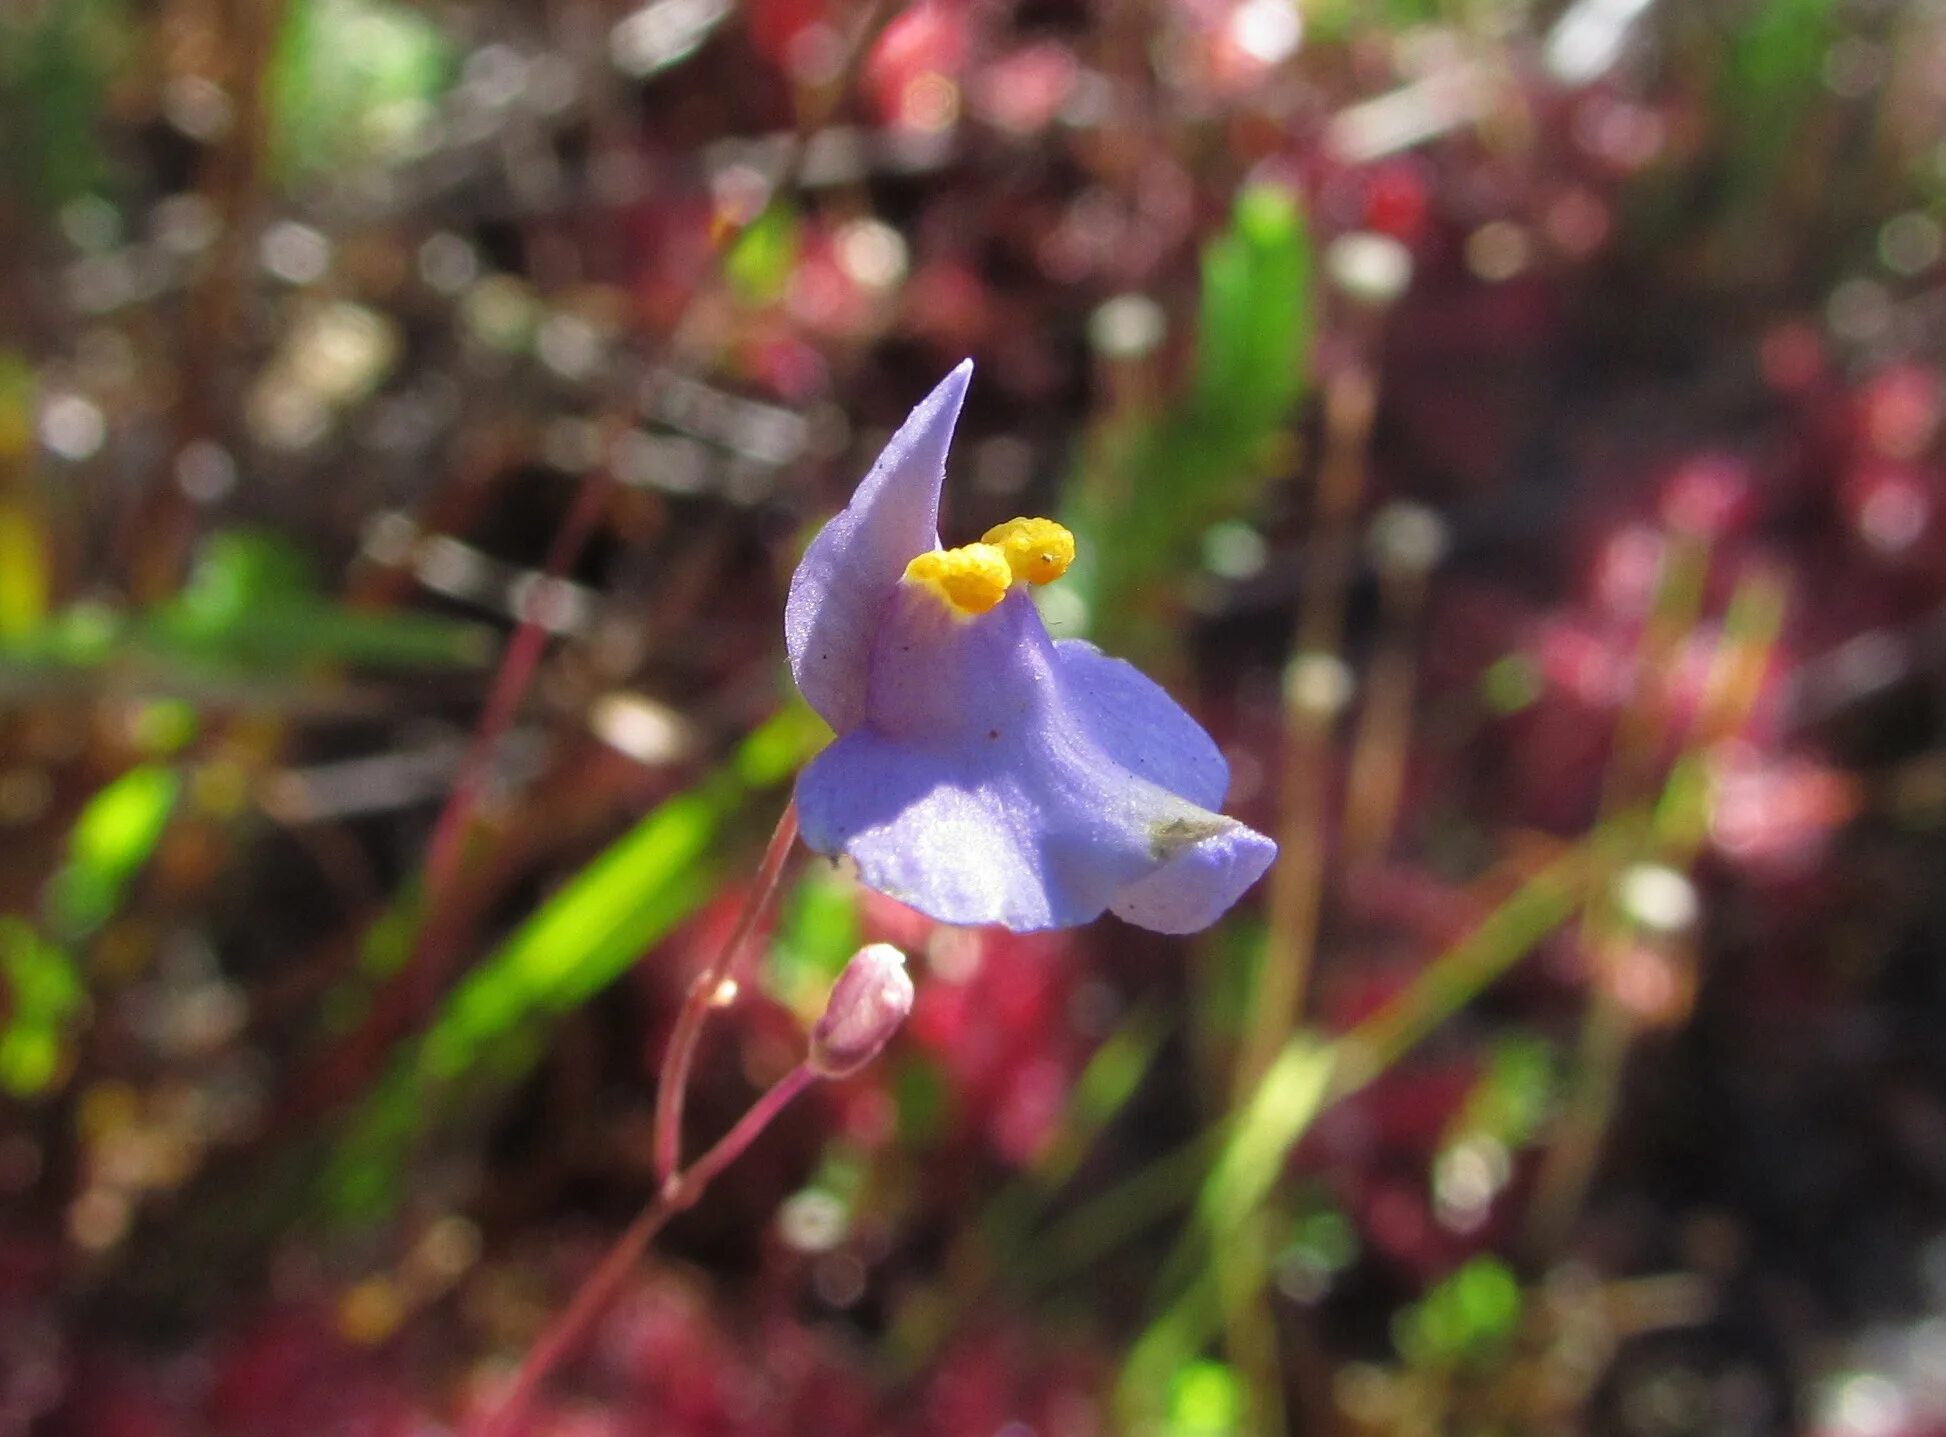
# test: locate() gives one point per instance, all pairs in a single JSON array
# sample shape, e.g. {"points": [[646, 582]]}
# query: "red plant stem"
{"points": [[517, 668], [683, 1190], [594, 1294], [673, 1085], [416, 984]]}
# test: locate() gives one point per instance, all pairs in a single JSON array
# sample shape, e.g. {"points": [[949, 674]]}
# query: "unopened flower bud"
{"points": [[867, 1004]]}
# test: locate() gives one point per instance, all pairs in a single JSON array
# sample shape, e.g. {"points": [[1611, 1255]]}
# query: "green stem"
{"points": [[1451, 981]]}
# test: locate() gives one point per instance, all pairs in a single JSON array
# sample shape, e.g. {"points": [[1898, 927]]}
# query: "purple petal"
{"points": [[940, 679], [1197, 886], [853, 565], [1000, 778], [942, 837], [1138, 725]]}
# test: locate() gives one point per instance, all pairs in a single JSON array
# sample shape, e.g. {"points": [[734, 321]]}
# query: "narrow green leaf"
{"points": [[1149, 490], [1279, 1111], [924, 1102], [112, 839], [24, 579], [79, 636], [44, 994], [253, 603], [634, 893], [1255, 322], [118, 829], [1769, 78], [1322, 1241], [1458, 975], [1111, 1078]]}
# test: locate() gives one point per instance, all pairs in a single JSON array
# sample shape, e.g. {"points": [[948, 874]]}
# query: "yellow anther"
{"points": [[1037, 550], [971, 579]]}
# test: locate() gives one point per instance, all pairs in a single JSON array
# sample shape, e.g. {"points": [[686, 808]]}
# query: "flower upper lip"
{"points": [[853, 566], [985, 772]]}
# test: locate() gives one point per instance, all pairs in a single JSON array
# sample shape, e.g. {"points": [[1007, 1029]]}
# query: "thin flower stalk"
{"points": [[867, 1006], [1607, 1035], [591, 1299], [1382, 743], [680, 1056]]}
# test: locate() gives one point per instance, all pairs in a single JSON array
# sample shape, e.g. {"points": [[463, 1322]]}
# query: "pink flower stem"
{"points": [[673, 1085], [680, 1192]]}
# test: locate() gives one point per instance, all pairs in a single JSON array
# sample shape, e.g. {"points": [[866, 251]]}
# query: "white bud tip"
{"points": [[868, 1003]]}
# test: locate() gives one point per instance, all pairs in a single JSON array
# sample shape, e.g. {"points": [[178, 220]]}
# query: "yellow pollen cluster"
{"points": [[972, 579], [1037, 550], [975, 577]]}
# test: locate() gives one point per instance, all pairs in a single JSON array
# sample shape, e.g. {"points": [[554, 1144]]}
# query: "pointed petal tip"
{"points": [[838, 592], [950, 392], [927, 430]]}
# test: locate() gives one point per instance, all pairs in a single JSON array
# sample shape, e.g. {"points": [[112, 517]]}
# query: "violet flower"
{"points": [[984, 772]]}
